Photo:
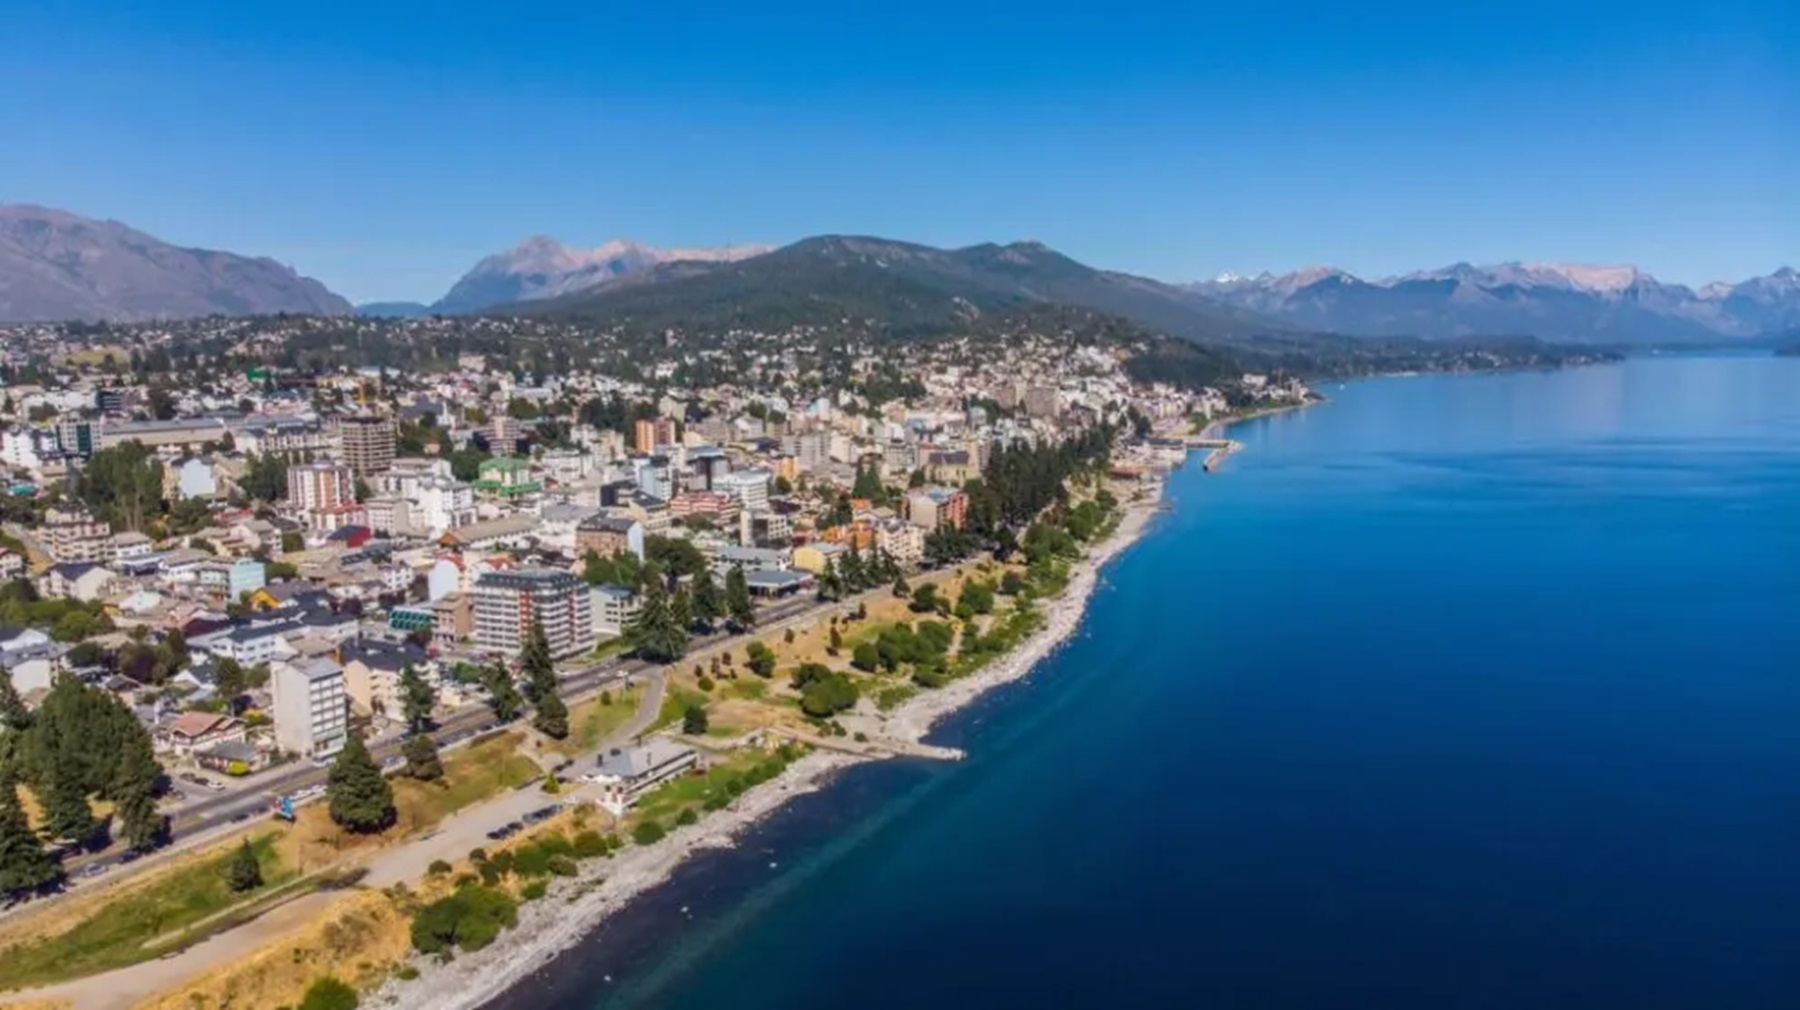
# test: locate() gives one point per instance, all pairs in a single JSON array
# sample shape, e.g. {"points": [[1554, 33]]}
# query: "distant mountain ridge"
{"points": [[1553, 301], [541, 268], [897, 287], [56, 266]]}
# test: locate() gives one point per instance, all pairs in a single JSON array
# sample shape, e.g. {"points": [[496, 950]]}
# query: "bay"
{"points": [[1451, 692]]}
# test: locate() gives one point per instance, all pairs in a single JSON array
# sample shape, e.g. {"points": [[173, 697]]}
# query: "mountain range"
{"points": [[58, 266], [55, 265], [897, 287], [1553, 301]]}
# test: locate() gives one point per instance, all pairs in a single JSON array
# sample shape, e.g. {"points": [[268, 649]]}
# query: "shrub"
{"points": [[686, 817], [406, 973], [589, 844], [469, 919], [438, 868], [327, 993], [562, 866], [533, 891], [531, 861], [478, 855], [647, 833]]}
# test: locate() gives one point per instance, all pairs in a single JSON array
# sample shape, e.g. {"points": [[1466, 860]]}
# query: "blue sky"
{"points": [[384, 147]]}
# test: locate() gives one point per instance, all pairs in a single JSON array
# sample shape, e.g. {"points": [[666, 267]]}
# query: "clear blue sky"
{"points": [[384, 147]]}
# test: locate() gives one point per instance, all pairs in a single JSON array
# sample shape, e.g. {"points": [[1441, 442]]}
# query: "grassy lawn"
{"points": [[590, 722], [470, 775], [122, 932], [691, 791], [675, 705]]}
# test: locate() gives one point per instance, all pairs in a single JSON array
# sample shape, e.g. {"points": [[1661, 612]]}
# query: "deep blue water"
{"points": [[1471, 692]]}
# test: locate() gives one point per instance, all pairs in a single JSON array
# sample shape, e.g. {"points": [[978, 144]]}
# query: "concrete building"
{"points": [[368, 442], [507, 603], [609, 535], [311, 710], [74, 535], [650, 433], [321, 485], [614, 607], [937, 508], [750, 487]]}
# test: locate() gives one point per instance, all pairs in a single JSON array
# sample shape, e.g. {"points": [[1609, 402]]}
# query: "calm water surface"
{"points": [[1454, 692]]}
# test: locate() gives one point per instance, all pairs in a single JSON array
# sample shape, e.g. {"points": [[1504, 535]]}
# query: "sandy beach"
{"points": [[575, 906]]}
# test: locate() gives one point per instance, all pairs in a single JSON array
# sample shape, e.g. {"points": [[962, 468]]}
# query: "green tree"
{"points": [[694, 721], [681, 609], [737, 599], [327, 993], [760, 658], [552, 718], [141, 824], [24, 865], [924, 599], [244, 873], [703, 596], [866, 657], [653, 632], [67, 812], [536, 666], [416, 700], [359, 798], [469, 919], [422, 759], [503, 694]]}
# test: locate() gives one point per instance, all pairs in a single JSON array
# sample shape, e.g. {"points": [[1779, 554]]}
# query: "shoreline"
{"points": [[576, 906]]}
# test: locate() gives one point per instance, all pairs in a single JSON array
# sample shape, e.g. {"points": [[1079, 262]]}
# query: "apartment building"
{"points": [[368, 442], [74, 535], [507, 603], [321, 485], [311, 710]]}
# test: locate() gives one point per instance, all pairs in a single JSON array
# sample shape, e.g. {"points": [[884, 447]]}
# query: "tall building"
{"points": [[651, 432], [312, 716], [506, 604], [750, 487], [321, 485], [368, 442]]}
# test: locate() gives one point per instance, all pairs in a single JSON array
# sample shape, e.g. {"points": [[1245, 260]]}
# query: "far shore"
{"points": [[577, 905]]}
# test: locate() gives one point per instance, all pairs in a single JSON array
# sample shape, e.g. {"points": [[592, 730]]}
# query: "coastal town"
{"points": [[382, 612]]}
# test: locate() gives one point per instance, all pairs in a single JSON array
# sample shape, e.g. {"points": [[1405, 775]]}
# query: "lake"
{"points": [[1473, 691]]}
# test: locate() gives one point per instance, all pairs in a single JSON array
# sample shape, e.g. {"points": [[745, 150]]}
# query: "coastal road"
{"points": [[195, 822]]}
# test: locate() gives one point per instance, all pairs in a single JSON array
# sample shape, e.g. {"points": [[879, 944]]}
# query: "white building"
{"points": [[626, 775], [311, 710], [614, 607], [750, 487]]}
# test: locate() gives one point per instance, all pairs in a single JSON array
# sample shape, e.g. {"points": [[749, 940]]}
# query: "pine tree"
{"points": [[244, 873], [851, 572], [24, 865], [703, 595], [653, 632], [143, 827], [737, 598], [359, 797], [14, 715], [831, 585], [66, 810], [503, 694], [422, 761], [416, 700], [536, 668], [681, 610], [552, 717]]}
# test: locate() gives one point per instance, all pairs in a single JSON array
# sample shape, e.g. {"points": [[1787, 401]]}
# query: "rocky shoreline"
{"points": [[574, 907]]}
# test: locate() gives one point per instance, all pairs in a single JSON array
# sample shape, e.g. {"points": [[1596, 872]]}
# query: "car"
{"points": [[92, 870], [542, 813], [241, 818]]}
